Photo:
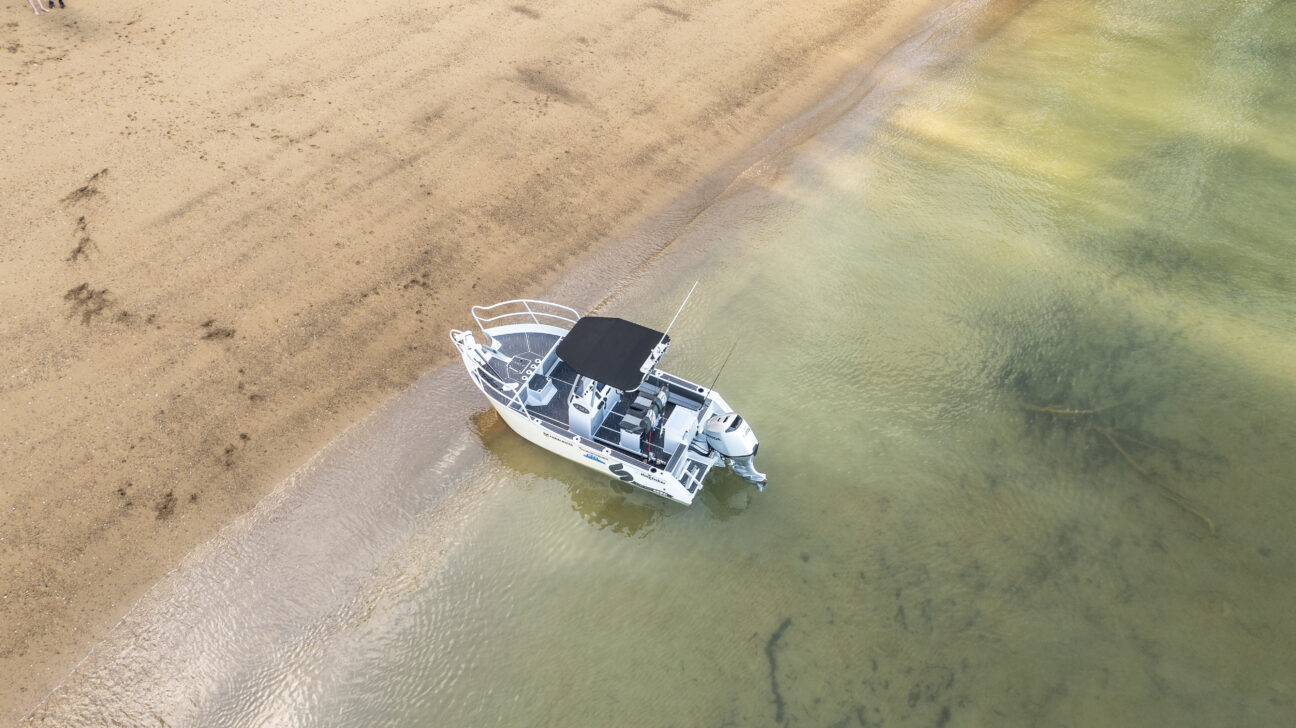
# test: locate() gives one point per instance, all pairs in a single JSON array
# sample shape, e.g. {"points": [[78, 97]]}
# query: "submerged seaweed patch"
{"points": [[1160, 258], [770, 647], [1091, 384], [1063, 358]]}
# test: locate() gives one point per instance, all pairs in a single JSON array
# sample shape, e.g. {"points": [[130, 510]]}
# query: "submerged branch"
{"points": [[1135, 440], [1060, 410], [1109, 434], [1166, 491]]}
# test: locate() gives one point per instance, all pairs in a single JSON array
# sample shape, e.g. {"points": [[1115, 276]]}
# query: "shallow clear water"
{"points": [[1019, 345]]}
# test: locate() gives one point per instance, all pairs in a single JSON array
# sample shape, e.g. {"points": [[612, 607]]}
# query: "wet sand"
{"points": [[232, 230]]}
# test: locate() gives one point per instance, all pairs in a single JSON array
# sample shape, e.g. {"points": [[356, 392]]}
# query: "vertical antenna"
{"points": [[681, 309]]}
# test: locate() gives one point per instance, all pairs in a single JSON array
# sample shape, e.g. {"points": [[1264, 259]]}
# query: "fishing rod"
{"points": [[720, 371], [703, 409]]}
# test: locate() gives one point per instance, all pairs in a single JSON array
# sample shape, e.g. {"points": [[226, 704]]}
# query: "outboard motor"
{"points": [[730, 436]]}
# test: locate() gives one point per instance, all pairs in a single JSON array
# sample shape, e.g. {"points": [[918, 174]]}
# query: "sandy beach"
{"points": [[229, 231]]}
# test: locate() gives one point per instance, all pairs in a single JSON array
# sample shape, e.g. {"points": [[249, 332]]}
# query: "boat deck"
{"points": [[536, 352], [563, 378], [694, 471], [522, 352], [535, 343], [609, 433]]}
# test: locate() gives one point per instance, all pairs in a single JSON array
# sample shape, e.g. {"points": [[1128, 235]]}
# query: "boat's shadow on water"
{"points": [[604, 501]]}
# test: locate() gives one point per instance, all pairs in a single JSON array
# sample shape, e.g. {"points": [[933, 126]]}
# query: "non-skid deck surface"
{"points": [[534, 343], [525, 347], [610, 431]]}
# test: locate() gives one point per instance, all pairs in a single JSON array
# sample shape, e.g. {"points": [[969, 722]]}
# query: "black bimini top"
{"points": [[609, 350]]}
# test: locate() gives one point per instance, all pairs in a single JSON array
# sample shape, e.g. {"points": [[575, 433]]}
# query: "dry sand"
{"points": [[231, 229]]}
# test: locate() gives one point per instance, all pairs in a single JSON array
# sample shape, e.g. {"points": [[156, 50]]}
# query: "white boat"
{"points": [[587, 388]]}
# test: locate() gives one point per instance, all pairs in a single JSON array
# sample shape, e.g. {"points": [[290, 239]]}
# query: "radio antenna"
{"points": [[681, 309]]}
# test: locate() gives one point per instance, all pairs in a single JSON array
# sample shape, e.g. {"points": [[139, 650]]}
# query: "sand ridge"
{"points": [[231, 230]]}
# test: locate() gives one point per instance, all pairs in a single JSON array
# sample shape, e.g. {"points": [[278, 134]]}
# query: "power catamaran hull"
{"points": [[587, 388]]}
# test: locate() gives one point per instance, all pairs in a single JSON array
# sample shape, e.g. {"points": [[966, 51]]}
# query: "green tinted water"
{"points": [[1020, 353], [1093, 213]]}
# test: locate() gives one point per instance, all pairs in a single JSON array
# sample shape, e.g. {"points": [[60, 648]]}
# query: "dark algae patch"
{"points": [[1094, 385], [770, 647]]}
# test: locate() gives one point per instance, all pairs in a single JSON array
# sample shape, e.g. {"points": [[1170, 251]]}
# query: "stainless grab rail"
{"points": [[533, 309]]}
